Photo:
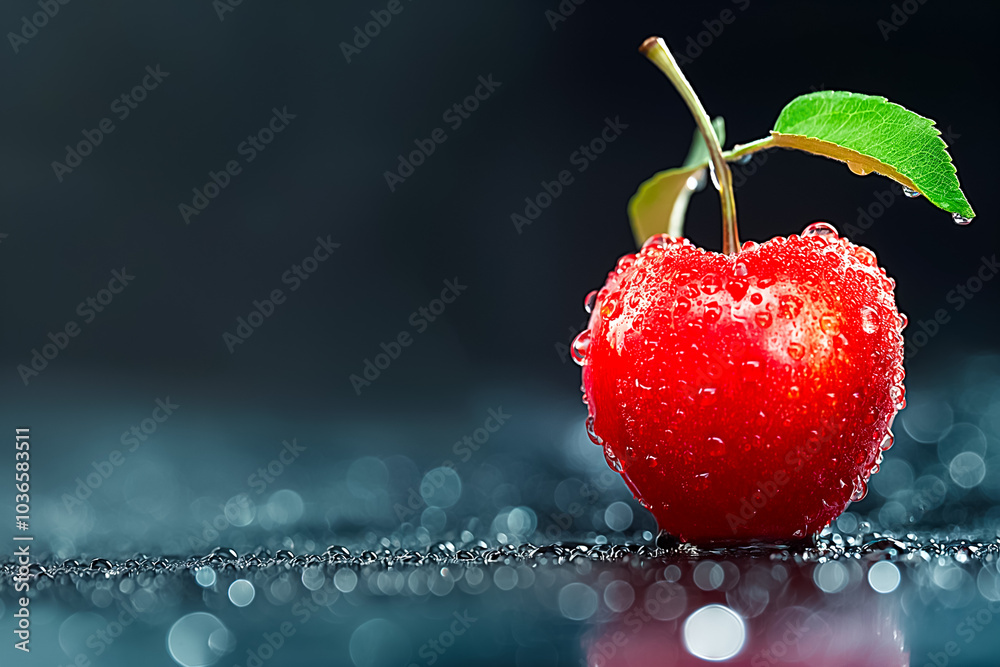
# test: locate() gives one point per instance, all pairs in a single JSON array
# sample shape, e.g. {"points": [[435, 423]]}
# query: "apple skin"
{"points": [[745, 397]]}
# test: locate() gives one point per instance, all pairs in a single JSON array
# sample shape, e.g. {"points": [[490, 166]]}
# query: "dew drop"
{"points": [[887, 441], [625, 263], [612, 460], [821, 229], [749, 245], [866, 256], [793, 392], [789, 306], [763, 320], [610, 306], [764, 283], [634, 299], [860, 491], [960, 219], [869, 320], [756, 298], [903, 321], [740, 270], [658, 241], [594, 438], [858, 168], [681, 306], [589, 301], [710, 284], [712, 312], [716, 446], [737, 289], [707, 395], [743, 159], [910, 192], [829, 324], [578, 350], [796, 350]]}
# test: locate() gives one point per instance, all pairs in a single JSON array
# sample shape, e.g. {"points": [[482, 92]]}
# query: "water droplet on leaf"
{"points": [[910, 192], [960, 219], [858, 168]]}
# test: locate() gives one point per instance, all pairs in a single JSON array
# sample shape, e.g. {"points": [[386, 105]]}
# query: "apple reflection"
{"points": [[755, 613]]}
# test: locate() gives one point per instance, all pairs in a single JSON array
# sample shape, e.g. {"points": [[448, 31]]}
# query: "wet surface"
{"points": [[861, 599], [455, 544]]}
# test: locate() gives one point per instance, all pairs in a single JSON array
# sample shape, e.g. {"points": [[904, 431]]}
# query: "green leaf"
{"points": [[659, 205], [870, 133]]}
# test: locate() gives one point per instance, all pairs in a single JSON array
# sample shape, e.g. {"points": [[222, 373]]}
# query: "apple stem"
{"points": [[655, 49]]}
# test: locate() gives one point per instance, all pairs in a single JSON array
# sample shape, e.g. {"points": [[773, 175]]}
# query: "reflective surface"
{"points": [[510, 544]]}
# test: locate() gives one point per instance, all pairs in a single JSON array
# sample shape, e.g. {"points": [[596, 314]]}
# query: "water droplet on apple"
{"points": [[589, 301], [710, 284], [756, 298], [866, 257], [612, 460], [886, 441], [821, 229], [625, 263], [793, 391], [715, 447], [869, 320], [764, 283], [860, 491], [763, 320], [712, 312], [829, 324], [681, 306], [634, 299], [910, 192], [740, 270], [609, 307], [789, 306], [903, 321], [749, 245], [594, 438], [578, 350], [796, 350], [960, 219], [707, 395], [737, 289]]}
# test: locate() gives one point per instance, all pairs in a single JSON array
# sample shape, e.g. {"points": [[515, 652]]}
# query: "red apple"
{"points": [[744, 396]]}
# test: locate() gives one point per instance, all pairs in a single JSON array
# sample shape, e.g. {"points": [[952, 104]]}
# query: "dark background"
{"points": [[499, 344]]}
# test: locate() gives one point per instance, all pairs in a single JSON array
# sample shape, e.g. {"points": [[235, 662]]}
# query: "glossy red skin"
{"points": [[728, 430]]}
